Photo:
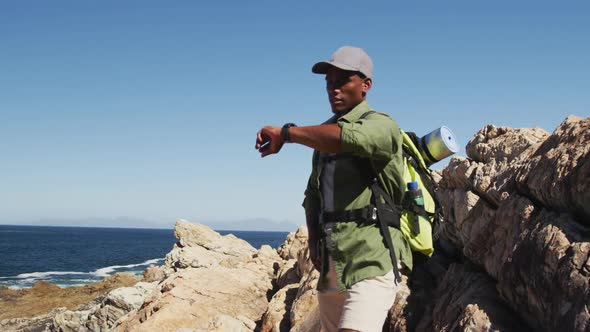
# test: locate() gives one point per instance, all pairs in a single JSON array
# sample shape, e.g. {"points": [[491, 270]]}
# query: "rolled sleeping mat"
{"points": [[438, 144]]}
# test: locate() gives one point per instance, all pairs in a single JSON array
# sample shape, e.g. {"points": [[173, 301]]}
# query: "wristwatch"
{"points": [[285, 131]]}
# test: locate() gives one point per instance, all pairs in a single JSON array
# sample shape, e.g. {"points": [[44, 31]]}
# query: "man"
{"points": [[358, 279]]}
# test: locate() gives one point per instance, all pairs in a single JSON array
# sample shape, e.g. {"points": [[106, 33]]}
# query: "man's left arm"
{"points": [[376, 137], [372, 137], [324, 138]]}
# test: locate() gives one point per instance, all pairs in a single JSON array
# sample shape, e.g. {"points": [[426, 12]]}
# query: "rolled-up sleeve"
{"points": [[377, 137]]}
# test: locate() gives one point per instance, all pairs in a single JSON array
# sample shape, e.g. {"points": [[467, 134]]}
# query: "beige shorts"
{"points": [[363, 307]]}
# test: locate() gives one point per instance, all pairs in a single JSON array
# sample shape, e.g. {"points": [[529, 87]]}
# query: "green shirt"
{"points": [[357, 249]]}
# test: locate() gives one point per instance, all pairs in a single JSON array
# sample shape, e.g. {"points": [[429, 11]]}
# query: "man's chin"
{"points": [[339, 109]]}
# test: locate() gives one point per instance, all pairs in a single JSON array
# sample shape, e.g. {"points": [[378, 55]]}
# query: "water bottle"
{"points": [[414, 197]]}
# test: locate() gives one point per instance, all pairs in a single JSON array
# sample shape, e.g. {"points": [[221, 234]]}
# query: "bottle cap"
{"points": [[412, 185]]}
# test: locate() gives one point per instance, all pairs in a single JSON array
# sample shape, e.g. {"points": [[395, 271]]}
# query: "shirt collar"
{"points": [[355, 113]]}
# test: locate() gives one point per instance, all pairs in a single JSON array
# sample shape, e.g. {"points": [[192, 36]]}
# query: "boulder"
{"points": [[198, 235], [296, 241], [277, 316], [214, 283], [154, 274], [103, 315], [192, 298], [556, 174]]}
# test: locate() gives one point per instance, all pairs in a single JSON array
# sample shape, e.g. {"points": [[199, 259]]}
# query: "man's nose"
{"points": [[333, 89]]}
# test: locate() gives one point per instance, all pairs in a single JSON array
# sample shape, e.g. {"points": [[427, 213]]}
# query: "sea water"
{"points": [[74, 256]]}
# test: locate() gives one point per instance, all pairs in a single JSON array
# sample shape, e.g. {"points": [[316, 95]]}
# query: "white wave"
{"points": [[74, 282], [20, 283], [71, 285], [17, 287], [102, 272], [44, 275], [106, 271]]}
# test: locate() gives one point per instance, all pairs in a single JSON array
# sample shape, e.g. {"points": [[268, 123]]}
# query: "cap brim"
{"points": [[324, 66]]}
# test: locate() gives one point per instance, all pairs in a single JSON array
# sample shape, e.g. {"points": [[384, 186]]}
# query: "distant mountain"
{"points": [[119, 222], [258, 224]]}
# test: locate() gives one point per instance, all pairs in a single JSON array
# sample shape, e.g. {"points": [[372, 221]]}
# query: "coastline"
{"points": [[43, 297], [76, 256], [68, 279]]}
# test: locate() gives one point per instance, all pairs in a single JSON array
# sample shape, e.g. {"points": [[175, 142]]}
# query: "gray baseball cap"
{"points": [[347, 58]]}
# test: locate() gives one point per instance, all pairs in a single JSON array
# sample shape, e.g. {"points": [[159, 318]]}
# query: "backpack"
{"points": [[417, 223]]}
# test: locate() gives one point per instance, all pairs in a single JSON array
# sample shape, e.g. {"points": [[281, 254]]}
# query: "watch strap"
{"points": [[285, 131]]}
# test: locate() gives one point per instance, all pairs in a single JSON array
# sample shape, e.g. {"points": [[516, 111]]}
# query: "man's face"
{"points": [[345, 89]]}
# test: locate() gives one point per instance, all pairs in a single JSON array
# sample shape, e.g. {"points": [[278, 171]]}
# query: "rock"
{"points": [[154, 274], [201, 247], [42, 288], [105, 314], [276, 318], [557, 174], [35, 324], [214, 283], [194, 297], [267, 251], [518, 209], [288, 274], [304, 310], [131, 298], [296, 241], [267, 259], [195, 257], [43, 297], [197, 235], [294, 307], [467, 301], [501, 145]]}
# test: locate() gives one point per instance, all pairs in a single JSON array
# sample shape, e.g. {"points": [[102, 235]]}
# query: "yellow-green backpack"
{"points": [[416, 224]]}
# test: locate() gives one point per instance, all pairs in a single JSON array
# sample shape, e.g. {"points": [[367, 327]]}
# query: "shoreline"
{"points": [[43, 297], [77, 279]]}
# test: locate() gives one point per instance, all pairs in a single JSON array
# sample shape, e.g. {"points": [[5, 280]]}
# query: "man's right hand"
{"points": [[269, 140]]}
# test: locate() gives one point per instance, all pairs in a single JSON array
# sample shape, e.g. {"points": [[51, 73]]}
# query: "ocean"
{"points": [[75, 256]]}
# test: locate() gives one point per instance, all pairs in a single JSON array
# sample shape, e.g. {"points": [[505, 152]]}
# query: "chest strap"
{"points": [[367, 214], [382, 214]]}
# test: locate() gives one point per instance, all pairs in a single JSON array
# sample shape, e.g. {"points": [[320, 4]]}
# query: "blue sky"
{"points": [[149, 110]]}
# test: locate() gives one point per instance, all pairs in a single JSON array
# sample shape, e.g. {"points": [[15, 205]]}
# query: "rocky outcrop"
{"points": [[44, 301], [209, 283], [213, 282], [103, 314], [294, 306], [221, 283], [517, 222]]}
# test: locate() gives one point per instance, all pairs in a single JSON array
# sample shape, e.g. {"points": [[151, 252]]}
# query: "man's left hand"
{"points": [[269, 140]]}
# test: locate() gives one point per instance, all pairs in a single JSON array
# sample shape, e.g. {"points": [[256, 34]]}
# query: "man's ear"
{"points": [[367, 82]]}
